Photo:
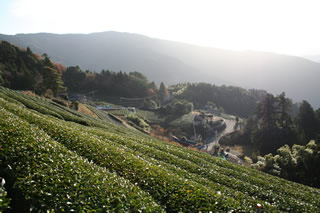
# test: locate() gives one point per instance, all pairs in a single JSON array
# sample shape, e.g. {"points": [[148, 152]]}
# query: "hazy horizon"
{"points": [[283, 27]]}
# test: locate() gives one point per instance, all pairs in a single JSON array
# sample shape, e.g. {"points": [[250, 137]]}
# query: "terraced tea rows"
{"points": [[52, 177], [176, 178]]}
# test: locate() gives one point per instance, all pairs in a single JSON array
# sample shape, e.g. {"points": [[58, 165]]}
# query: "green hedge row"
{"points": [[51, 177]]}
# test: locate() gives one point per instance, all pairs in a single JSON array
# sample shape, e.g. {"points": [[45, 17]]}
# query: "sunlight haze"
{"points": [[286, 26]]}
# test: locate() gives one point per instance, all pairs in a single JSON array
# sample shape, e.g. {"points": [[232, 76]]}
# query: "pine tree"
{"points": [[285, 105], [266, 111], [51, 81], [306, 121]]}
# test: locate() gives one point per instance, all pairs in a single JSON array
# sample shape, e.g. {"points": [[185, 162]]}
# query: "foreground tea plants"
{"points": [[50, 177]]}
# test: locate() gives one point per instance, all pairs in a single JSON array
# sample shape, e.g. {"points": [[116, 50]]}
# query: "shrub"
{"points": [[138, 121], [150, 104], [74, 105]]}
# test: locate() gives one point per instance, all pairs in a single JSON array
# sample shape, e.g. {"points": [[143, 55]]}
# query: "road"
{"points": [[230, 124]]}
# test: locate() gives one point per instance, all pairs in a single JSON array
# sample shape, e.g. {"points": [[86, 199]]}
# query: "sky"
{"points": [[280, 26]]}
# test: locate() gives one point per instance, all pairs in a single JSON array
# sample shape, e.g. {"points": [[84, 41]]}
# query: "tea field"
{"points": [[55, 159]]}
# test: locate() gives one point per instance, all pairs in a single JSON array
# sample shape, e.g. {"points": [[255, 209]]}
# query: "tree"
{"points": [[1, 73], [8, 52], [163, 92], [138, 75], [150, 104], [46, 60], [317, 112], [189, 107], [285, 105], [74, 78], [299, 163], [266, 111], [274, 127], [306, 121], [51, 80]]}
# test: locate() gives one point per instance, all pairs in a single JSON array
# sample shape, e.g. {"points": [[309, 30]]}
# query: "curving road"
{"points": [[230, 127]]}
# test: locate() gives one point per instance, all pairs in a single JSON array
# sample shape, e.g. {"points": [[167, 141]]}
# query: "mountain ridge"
{"points": [[174, 62]]}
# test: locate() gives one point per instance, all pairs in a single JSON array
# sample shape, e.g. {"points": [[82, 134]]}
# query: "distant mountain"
{"points": [[315, 58], [173, 62]]}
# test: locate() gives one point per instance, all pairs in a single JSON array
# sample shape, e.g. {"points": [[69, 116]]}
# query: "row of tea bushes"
{"points": [[51, 177]]}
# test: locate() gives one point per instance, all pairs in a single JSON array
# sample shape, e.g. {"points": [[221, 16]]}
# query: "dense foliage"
{"points": [[108, 83], [24, 70], [58, 165], [299, 163], [234, 100], [272, 130], [177, 107]]}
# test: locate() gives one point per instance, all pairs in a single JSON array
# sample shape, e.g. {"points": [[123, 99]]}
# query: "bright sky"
{"points": [[282, 26]]}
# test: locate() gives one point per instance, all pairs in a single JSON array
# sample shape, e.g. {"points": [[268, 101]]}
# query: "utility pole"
{"points": [[194, 128]]}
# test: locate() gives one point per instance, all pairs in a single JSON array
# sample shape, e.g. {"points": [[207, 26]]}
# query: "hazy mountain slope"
{"points": [[315, 58], [174, 62]]}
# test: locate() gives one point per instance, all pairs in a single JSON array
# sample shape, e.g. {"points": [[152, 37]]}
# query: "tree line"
{"points": [[108, 83]]}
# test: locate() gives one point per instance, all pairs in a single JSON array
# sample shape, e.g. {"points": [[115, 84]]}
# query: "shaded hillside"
{"points": [[173, 62], [315, 58]]}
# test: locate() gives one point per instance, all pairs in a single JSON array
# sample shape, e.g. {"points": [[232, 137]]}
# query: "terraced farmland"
{"points": [[56, 159]]}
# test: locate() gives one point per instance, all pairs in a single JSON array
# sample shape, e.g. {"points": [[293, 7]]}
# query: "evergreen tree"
{"points": [[74, 78], [51, 81], [285, 105], [266, 111], [163, 92], [306, 121]]}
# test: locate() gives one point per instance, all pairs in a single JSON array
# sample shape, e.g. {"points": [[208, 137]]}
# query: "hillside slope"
{"points": [[54, 158], [315, 58], [173, 62]]}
